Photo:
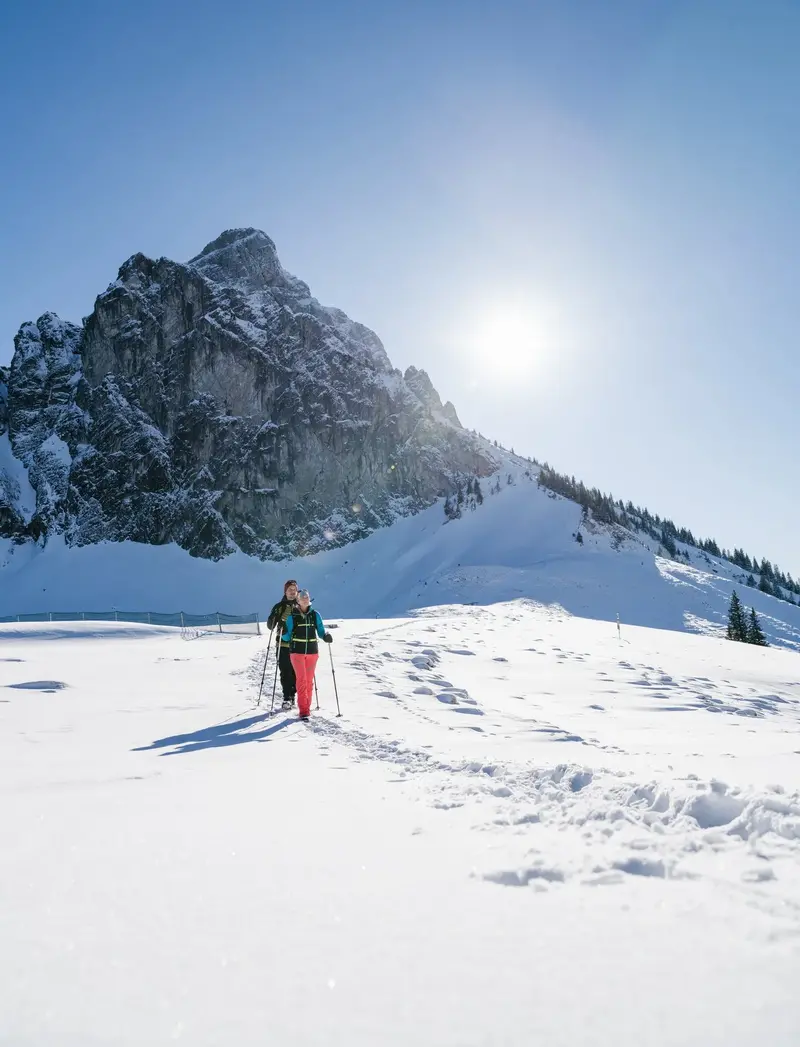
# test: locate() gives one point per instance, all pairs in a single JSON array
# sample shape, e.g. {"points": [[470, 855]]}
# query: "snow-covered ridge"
{"points": [[418, 561]]}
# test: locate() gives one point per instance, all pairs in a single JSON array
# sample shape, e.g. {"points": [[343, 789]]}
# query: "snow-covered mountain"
{"points": [[217, 405], [211, 429], [519, 543]]}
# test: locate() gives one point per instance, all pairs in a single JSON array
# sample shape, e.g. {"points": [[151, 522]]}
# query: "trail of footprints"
{"points": [[625, 826], [693, 693]]}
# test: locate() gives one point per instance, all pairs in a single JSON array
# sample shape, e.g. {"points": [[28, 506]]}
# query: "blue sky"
{"points": [[581, 218]]}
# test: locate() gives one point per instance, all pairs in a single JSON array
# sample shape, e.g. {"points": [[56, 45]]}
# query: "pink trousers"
{"points": [[304, 666]]}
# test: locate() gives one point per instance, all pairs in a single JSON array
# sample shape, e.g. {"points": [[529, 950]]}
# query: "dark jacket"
{"points": [[302, 631], [278, 615]]}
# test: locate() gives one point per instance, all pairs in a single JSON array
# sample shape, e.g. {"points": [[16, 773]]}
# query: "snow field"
{"points": [[179, 866]]}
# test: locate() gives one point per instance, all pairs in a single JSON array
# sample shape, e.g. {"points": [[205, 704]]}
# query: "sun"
{"points": [[513, 338]]}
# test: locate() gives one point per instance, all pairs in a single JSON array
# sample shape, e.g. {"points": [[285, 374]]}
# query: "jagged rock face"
{"points": [[3, 400], [218, 405], [420, 384], [45, 425], [11, 520]]}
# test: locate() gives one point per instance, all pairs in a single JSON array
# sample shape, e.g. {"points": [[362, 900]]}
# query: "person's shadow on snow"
{"points": [[229, 733]]}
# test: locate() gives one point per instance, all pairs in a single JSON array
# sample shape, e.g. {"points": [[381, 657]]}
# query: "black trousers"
{"points": [[288, 683]]}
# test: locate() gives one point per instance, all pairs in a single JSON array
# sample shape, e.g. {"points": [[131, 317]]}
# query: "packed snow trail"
{"points": [[206, 873]]}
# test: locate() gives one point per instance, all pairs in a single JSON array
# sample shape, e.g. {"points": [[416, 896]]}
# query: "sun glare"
{"points": [[513, 339]]}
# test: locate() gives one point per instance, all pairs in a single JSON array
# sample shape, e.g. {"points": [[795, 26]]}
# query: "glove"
{"points": [[327, 638]]}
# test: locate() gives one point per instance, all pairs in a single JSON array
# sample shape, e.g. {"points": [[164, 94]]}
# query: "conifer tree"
{"points": [[755, 633], [737, 624]]}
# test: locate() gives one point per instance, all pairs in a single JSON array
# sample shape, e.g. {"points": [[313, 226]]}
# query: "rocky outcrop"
{"points": [[11, 519], [218, 405], [420, 384], [45, 424]]}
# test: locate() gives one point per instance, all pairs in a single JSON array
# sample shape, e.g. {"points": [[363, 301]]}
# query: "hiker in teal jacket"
{"points": [[303, 627]]}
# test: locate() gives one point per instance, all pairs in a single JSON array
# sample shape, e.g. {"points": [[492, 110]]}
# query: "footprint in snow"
{"points": [[524, 877], [642, 867], [422, 661]]}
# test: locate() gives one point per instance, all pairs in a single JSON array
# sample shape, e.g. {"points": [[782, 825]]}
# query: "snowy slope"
{"points": [[15, 486], [523, 830], [519, 543]]}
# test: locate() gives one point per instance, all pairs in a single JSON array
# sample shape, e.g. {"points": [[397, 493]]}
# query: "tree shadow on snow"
{"points": [[230, 733]]}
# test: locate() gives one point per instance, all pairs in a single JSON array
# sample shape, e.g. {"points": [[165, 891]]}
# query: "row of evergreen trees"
{"points": [[467, 496], [607, 510], [742, 627]]}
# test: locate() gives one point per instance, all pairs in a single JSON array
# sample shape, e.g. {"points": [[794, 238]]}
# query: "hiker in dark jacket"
{"points": [[277, 620], [303, 626]]}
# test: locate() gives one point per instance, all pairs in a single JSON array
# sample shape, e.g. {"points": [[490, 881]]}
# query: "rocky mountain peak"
{"points": [[242, 258], [218, 405]]}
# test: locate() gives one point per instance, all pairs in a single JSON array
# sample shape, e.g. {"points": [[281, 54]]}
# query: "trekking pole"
{"points": [[266, 659], [335, 688], [316, 692], [275, 681]]}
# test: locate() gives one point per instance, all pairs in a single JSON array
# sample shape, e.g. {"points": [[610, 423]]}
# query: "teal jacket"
{"points": [[302, 631]]}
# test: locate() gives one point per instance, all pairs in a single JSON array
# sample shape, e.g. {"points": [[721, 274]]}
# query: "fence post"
{"points": [[258, 625], [51, 616], [148, 619], [182, 625], [219, 623]]}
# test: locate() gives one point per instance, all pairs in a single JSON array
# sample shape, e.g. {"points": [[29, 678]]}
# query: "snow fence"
{"points": [[218, 621]]}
